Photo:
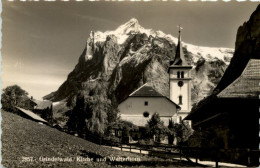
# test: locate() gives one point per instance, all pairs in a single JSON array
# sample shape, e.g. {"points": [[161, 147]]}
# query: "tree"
{"points": [[89, 115], [125, 134], [182, 131], [13, 96], [77, 117], [171, 132], [112, 113], [47, 114], [155, 128], [97, 117], [92, 111]]}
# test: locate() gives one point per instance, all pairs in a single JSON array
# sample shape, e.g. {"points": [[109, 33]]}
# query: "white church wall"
{"points": [[132, 109], [140, 120]]}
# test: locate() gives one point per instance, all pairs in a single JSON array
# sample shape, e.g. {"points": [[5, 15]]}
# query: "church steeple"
{"points": [[180, 82], [179, 56]]}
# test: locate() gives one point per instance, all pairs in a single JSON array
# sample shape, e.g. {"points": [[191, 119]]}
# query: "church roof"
{"points": [[247, 85], [145, 91], [148, 91]]}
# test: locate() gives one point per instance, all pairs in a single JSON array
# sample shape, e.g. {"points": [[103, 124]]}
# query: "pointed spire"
{"points": [[179, 56]]}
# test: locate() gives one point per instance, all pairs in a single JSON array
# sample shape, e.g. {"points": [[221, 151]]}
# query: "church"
{"points": [[140, 105], [143, 103]]}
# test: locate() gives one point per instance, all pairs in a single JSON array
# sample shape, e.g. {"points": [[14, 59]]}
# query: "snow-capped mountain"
{"points": [[123, 32], [123, 59]]}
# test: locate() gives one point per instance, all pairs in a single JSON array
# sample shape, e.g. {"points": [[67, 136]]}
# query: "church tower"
{"points": [[179, 82]]}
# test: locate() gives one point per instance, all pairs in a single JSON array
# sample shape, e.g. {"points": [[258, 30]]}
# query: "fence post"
{"points": [[180, 153], [130, 147], [248, 157], [197, 154], [216, 157]]}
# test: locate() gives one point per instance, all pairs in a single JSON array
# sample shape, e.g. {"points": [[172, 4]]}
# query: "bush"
{"points": [[125, 126], [146, 142], [111, 140], [126, 131]]}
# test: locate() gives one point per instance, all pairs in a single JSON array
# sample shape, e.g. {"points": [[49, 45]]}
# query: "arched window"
{"points": [[178, 74], [182, 74], [180, 118], [180, 99]]}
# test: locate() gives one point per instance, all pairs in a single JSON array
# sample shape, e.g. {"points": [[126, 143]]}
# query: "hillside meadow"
{"points": [[26, 143]]}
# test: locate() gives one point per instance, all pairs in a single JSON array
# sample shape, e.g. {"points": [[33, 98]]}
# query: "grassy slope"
{"points": [[22, 137]]}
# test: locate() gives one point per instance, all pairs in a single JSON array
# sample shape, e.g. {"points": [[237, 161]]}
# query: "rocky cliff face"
{"points": [[247, 47], [123, 59]]}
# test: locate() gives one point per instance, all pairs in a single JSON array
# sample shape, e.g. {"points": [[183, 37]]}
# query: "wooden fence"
{"points": [[172, 151], [168, 151]]}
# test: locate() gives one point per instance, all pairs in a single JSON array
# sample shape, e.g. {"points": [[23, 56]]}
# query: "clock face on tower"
{"points": [[180, 83]]}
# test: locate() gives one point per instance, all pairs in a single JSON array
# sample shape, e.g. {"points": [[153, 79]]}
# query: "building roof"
{"points": [[41, 105], [247, 85], [145, 91], [148, 91], [31, 114]]}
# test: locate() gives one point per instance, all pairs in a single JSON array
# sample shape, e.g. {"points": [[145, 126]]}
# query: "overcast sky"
{"points": [[42, 41]]}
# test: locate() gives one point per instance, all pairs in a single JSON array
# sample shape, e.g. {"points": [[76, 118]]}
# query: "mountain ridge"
{"points": [[130, 55], [133, 26]]}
